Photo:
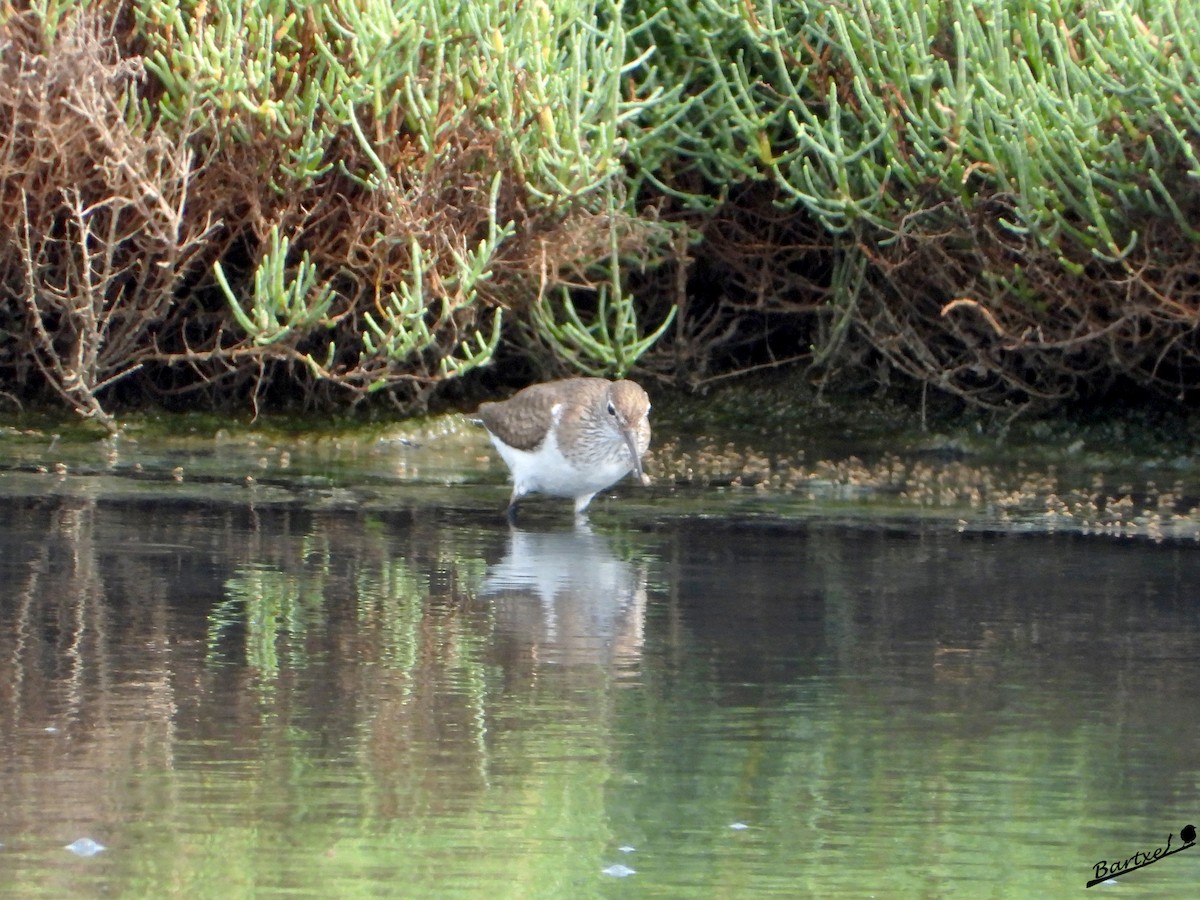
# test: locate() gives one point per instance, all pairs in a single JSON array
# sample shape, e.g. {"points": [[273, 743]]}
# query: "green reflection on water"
{"points": [[256, 699]]}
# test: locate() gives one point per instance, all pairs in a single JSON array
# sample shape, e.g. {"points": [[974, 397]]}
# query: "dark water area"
{"points": [[290, 691]]}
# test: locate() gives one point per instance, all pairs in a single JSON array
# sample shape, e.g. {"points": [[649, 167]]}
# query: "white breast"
{"points": [[547, 471]]}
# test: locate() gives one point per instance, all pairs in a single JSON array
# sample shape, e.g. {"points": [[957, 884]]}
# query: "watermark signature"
{"points": [[1104, 870]]}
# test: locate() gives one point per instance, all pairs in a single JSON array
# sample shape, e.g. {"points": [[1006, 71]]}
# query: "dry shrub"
{"points": [[753, 291], [94, 233], [361, 239], [1003, 323], [110, 228], [957, 302]]}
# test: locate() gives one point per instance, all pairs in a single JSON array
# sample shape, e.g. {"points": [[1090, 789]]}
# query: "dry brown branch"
{"points": [[975, 305]]}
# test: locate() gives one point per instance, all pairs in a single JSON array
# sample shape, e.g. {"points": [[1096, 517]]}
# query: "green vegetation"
{"points": [[997, 199], [226, 202]]}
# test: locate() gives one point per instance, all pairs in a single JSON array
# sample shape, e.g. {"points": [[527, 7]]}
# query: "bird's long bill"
{"points": [[633, 451]]}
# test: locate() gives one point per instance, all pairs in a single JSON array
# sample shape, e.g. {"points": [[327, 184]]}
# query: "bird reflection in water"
{"points": [[569, 598]]}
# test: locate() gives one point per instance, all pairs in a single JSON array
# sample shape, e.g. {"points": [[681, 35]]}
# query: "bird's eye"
{"points": [[612, 410]]}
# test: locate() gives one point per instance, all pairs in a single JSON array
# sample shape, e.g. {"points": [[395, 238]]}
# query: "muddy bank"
{"points": [[736, 453]]}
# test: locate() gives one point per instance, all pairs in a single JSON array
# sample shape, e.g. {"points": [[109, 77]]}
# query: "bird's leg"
{"points": [[511, 512]]}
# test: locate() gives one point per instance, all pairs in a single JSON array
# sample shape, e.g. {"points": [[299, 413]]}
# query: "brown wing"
{"points": [[523, 420]]}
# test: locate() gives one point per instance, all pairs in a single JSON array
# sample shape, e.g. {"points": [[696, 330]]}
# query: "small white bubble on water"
{"points": [[618, 871], [85, 846]]}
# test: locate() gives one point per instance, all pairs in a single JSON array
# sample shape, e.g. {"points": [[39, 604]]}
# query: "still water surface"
{"points": [[260, 692]]}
